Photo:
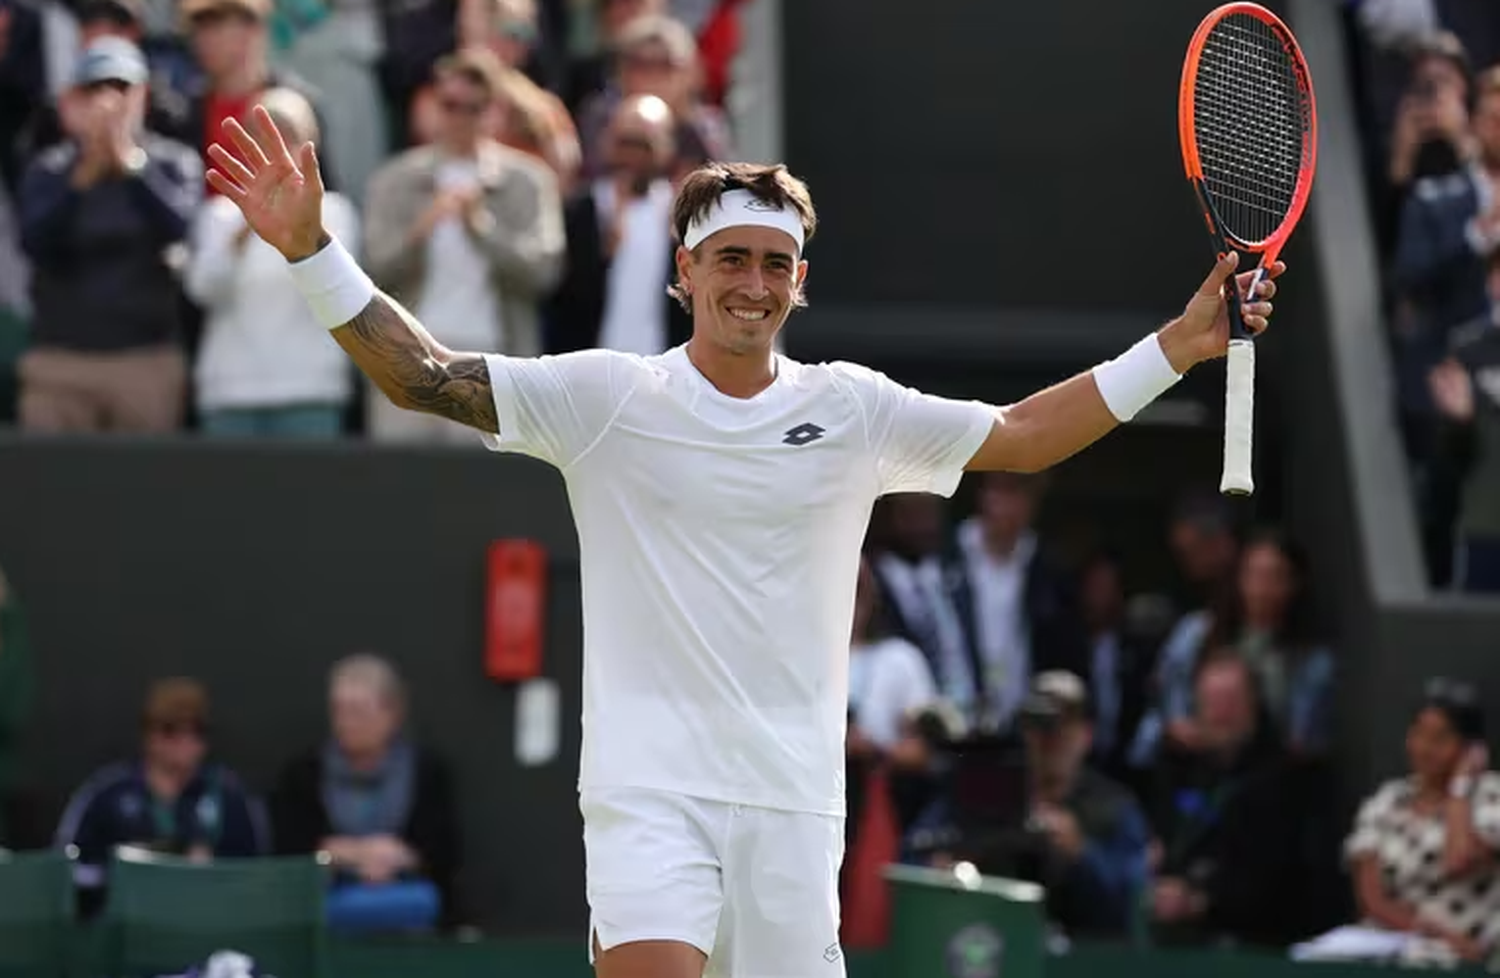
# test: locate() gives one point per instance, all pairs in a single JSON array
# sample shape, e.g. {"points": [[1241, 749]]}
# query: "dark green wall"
{"points": [[254, 570]]}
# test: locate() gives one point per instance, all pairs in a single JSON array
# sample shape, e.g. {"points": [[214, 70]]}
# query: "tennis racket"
{"points": [[1248, 127]]}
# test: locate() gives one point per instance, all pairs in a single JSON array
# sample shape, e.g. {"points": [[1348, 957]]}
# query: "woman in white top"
{"points": [[266, 368]]}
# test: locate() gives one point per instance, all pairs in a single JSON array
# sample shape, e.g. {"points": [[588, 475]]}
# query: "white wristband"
{"points": [[1135, 378], [335, 287]]}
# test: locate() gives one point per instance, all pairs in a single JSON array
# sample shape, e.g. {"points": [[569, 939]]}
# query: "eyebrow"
{"points": [[745, 253]]}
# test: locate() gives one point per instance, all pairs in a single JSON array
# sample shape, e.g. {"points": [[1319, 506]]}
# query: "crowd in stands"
{"points": [[502, 167], [1428, 73]]}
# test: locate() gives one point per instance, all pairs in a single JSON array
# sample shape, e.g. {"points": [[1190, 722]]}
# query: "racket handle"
{"points": [[1239, 419]]}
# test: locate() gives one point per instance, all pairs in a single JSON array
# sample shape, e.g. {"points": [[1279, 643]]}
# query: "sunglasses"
{"points": [[636, 142], [177, 728], [455, 106], [520, 31], [107, 85]]}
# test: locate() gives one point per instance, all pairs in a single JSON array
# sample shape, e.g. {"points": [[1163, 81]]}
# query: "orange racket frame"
{"points": [[1271, 247]]}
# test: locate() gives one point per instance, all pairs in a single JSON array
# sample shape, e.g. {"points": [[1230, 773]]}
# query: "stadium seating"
{"points": [[36, 912]]}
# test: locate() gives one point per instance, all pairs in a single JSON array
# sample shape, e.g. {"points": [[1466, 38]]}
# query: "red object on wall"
{"points": [[515, 610]]}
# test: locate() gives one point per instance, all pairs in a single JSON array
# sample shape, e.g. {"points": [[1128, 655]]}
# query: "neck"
{"points": [[364, 760], [1432, 789], [734, 375], [466, 149], [165, 782], [1000, 543]]}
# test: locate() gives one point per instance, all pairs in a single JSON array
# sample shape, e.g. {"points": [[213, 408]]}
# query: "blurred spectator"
{"points": [[336, 51], [1466, 389], [417, 34], [17, 684], [590, 73], [533, 119], [1226, 817], [167, 99], [657, 56], [23, 84], [468, 234], [1449, 226], [620, 245], [1205, 547], [173, 799], [1120, 663], [1092, 835], [379, 805], [918, 591], [1423, 846], [1020, 610], [99, 214], [889, 682], [264, 368], [1266, 618], [231, 39], [1430, 132]]}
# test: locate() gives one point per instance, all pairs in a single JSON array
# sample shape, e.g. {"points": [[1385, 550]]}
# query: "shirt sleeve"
{"points": [[1369, 825], [921, 442], [555, 408]]}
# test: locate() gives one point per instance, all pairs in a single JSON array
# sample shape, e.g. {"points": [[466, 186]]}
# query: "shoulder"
{"points": [[516, 168], [412, 163], [1107, 795], [1385, 798], [111, 778]]}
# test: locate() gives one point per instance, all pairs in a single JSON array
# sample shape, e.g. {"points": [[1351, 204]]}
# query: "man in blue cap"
{"points": [[99, 213]]}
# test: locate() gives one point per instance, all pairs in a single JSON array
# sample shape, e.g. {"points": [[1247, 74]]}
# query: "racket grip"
{"points": [[1239, 419]]}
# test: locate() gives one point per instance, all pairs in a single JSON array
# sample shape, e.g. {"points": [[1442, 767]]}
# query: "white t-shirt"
{"points": [[888, 679], [459, 303], [720, 544]]}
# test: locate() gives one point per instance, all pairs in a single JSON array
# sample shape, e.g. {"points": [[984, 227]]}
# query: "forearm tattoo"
{"points": [[414, 371]]}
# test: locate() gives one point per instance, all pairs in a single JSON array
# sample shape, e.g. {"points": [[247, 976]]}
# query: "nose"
{"points": [[755, 284]]}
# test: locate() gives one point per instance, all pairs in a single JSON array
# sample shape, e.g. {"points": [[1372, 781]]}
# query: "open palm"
{"points": [[280, 195]]}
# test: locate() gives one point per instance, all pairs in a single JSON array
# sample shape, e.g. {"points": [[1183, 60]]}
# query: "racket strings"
{"points": [[1250, 120]]}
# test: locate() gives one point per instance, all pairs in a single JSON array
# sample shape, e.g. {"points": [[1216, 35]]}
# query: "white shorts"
{"points": [[754, 889]]}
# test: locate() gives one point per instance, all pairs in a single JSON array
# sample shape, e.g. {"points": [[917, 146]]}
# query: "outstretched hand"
{"points": [[1202, 331], [280, 196]]}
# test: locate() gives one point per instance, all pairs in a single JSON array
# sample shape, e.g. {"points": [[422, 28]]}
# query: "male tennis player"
{"points": [[721, 494]]}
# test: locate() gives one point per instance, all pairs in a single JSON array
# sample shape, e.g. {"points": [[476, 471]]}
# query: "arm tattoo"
{"points": [[414, 370]]}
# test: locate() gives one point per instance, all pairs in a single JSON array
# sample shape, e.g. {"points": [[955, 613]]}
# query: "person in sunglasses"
{"points": [[171, 798], [466, 230]]}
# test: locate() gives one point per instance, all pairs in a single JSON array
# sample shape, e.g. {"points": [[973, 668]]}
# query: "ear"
{"points": [[685, 263]]}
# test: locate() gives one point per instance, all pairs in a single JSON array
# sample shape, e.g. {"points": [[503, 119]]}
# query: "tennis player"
{"points": [[721, 494]]}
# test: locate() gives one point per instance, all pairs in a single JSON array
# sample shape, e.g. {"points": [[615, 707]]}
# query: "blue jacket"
{"points": [[115, 807]]}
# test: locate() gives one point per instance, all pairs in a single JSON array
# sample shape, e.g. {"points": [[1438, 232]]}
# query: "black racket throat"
{"points": [[1224, 243]]}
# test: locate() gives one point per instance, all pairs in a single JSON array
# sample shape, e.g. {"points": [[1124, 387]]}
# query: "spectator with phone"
{"points": [[1466, 389], [1423, 846]]}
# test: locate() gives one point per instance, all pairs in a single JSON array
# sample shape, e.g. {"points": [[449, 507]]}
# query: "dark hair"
{"points": [[477, 66], [1459, 704], [1298, 632], [702, 188], [1205, 510]]}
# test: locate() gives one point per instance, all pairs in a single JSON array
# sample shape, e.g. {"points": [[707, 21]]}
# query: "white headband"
{"points": [[741, 208]]}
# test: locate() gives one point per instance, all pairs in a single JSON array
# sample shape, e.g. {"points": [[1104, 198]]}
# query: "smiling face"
{"points": [[744, 282]]}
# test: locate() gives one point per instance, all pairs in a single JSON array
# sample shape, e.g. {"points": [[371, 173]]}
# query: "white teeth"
{"points": [[749, 315]]}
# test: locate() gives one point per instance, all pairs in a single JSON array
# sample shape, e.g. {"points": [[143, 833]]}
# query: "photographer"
{"points": [[1046, 815]]}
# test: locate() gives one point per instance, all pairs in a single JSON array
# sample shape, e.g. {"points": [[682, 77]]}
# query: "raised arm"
{"points": [[1053, 424], [282, 200]]}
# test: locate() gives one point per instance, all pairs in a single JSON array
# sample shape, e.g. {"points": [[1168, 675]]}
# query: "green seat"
{"points": [[958, 923], [36, 912], [165, 913]]}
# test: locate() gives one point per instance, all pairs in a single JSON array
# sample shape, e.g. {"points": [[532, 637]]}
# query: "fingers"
{"points": [[226, 186], [269, 136], [249, 149], [307, 160], [229, 166], [1223, 269]]}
